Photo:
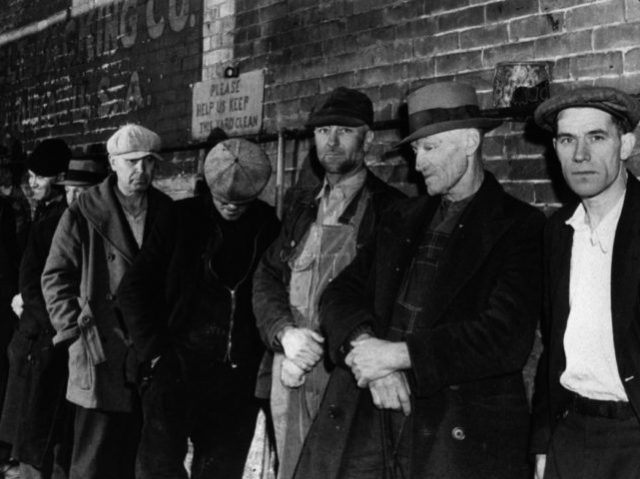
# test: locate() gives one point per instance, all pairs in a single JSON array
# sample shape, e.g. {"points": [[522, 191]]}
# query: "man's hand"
{"points": [[17, 305], [541, 462], [392, 392], [373, 358], [303, 346], [291, 375]]}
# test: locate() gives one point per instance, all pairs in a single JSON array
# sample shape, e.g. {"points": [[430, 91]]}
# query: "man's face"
{"points": [[41, 186], [341, 149], [72, 193], [442, 160], [230, 211], [134, 176], [591, 150]]}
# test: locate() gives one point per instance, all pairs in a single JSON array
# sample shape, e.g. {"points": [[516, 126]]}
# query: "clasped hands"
{"points": [[378, 365], [302, 350]]}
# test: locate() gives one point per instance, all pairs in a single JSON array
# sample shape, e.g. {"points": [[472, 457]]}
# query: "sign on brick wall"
{"points": [[233, 104]]}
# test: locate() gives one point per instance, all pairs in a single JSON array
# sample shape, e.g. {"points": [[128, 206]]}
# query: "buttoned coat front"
{"points": [[92, 248], [551, 400], [470, 415]]}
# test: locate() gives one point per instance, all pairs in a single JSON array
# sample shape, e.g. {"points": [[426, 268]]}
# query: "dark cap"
{"points": [[49, 158], [344, 107], [611, 100]]}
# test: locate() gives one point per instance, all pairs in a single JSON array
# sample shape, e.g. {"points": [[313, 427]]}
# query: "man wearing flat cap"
{"points": [[187, 303], [323, 227], [97, 239], [35, 412], [432, 323], [587, 397]]}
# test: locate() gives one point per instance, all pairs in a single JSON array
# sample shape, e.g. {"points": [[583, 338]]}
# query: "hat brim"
{"points": [[481, 123], [75, 183], [135, 155], [341, 120]]}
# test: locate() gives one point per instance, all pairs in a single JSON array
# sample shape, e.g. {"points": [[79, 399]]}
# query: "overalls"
{"points": [[325, 251]]}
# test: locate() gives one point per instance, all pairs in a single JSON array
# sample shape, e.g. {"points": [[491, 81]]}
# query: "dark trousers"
{"points": [[104, 444], [591, 447], [209, 402]]}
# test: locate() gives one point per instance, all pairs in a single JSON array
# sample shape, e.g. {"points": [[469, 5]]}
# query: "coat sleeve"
{"points": [[141, 291], [270, 295], [497, 339], [541, 406], [62, 275]]}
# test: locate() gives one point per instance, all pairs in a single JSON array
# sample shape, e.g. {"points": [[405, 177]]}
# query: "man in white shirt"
{"points": [[588, 385]]}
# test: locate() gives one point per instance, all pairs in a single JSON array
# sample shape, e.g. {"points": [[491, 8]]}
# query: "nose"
{"points": [[332, 138], [421, 161], [582, 152]]}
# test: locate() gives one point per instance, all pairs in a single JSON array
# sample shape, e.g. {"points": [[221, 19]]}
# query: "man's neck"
{"points": [[335, 178], [469, 184], [598, 206], [133, 202]]}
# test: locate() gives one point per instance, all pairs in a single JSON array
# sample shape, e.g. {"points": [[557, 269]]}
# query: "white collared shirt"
{"points": [[592, 369]]}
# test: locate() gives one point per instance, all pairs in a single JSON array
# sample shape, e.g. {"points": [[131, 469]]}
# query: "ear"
{"points": [[368, 140], [472, 141], [112, 162], [627, 142]]}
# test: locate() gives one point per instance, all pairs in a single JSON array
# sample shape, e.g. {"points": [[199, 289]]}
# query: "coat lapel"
{"points": [[625, 268], [99, 209], [480, 227], [559, 273]]}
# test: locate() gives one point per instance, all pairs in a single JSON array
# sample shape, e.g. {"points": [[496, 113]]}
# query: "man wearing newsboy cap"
{"points": [[97, 239], [587, 398], [323, 227], [432, 322], [187, 303]]}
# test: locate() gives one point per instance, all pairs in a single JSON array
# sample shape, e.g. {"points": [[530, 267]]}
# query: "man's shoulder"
{"points": [[381, 188]]}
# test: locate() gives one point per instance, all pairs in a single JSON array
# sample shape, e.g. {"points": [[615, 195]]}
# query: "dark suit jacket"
{"points": [[551, 399], [466, 357]]}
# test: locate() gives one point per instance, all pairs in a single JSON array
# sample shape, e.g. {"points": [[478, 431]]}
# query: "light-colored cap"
{"points": [[236, 170], [132, 141]]}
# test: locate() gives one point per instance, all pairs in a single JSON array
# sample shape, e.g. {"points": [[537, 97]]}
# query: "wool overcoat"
{"points": [[470, 414], [92, 248]]}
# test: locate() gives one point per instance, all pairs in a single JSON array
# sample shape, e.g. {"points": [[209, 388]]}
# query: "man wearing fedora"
{"points": [[35, 399], [431, 324], [97, 239], [587, 396], [187, 303], [323, 227]]}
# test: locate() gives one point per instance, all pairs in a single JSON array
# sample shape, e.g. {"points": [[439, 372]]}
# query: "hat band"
{"points": [[423, 118]]}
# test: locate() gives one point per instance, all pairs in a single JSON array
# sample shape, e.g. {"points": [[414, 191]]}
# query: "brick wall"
{"points": [[80, 72]]}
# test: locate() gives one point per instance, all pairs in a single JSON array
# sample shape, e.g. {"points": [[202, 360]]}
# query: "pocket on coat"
{"points": [[80, 366]]}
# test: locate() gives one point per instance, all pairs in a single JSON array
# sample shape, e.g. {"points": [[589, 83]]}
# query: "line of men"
{"points": [[395, 329]]}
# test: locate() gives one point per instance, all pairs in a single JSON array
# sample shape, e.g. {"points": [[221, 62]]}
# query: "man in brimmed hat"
{"points": [[35, 400], [431, 324], [46, 164], [187, 303], [322, 228], [587, 398], [97, 239]]}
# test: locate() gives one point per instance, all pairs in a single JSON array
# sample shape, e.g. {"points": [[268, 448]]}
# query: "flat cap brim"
{"points": [[611, 100]]}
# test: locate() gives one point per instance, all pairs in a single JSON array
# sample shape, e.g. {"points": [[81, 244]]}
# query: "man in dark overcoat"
{"points": [[323, 227], [38, 375], [45, 166], [187, 303], [431, 324], [587, 398], [96, 240]]}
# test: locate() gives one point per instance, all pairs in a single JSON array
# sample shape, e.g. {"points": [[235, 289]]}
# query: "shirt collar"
{"points": [[603, 234], [346, 187]]}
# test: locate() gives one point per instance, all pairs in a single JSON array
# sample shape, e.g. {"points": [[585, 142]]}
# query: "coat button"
{"points": [[458, 433], [334, 412], [111, 257], [110, 297], [454, 387], [84, 320]]}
